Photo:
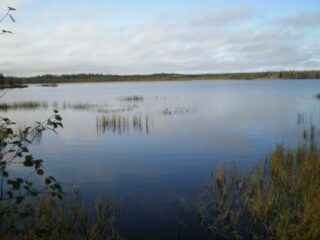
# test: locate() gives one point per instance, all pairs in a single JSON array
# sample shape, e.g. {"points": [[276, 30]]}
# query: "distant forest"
{"points": [[73, 78]]}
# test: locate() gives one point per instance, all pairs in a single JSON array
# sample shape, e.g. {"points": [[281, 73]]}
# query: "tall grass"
{"points": [[68, 220], [279, 199]]}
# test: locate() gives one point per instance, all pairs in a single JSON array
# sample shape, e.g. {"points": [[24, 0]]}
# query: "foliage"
{"points": [[280, 199], [17, 192]]}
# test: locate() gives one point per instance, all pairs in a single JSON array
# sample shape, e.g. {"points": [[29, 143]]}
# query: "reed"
{"points": [[49, 85], [279, 199], [70, 219], [117, 123], [133, 98], [178, 111], [26, 105]]}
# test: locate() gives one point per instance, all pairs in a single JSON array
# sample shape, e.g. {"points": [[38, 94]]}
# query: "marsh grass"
{"points": [[26, 105], [117, 123], [70, 219], [49, 85], [178, 111], [79, 106], [133, 98], [279, 199]]}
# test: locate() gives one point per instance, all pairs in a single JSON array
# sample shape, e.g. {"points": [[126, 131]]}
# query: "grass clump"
{"points": [[279, 199]]}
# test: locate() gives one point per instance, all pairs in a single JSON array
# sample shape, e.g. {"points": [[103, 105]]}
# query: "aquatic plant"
{"points": [[279, 199], [68, 219], [26, 105], [117, 123], [49, 85], [178, 111], [132, 98]]}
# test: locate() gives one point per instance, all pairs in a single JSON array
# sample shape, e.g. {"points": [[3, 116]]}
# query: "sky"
{"points": [[157, 36]]}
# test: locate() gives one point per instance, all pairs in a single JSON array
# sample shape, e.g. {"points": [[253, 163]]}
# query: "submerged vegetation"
{"points": [[279, 199], [52, 79]]}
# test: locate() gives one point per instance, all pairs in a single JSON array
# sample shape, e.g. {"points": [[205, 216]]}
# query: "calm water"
{"points": [[165, 146]]}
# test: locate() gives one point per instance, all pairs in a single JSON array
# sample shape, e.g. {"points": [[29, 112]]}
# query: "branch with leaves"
{"points": [[14, 151], [8, 14]]}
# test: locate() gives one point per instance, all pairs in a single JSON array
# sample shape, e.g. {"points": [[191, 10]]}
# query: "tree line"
{"points": [[48, 78]]}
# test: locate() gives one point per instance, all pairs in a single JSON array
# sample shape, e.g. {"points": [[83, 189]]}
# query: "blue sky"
{"points": [[137, 37]]}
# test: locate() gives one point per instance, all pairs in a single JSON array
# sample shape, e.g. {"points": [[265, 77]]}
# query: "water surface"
{"points": [[161, 148]]}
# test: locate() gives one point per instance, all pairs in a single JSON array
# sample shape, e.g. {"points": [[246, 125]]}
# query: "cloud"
{"points": [[223, 17], [161, 44], [302, 20]]}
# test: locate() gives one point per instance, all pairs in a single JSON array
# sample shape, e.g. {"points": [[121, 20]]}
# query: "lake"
{"points": [[153, 145]]}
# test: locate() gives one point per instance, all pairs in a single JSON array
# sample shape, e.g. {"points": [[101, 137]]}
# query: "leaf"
{"points": [[25, 131], [16, 185], [9, 131], [40, 172], [6, 31], [5, 174], [19, 199], [28, 161], [47, 181], [58, 117]]}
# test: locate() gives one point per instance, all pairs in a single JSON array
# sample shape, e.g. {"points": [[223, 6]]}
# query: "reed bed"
{"points": [[134, 98], [55, 220], [279, 199], [117, 123], [49, 85], [178, 111], [26, 105]]}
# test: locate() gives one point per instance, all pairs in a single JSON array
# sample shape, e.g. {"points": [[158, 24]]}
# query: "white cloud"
{"points": [[162, 44]]}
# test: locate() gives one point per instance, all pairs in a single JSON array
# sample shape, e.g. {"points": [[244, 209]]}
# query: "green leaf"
{"points": [[28, 161], [47, 181], [58, 117], [5, 174], [19, 199]]}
